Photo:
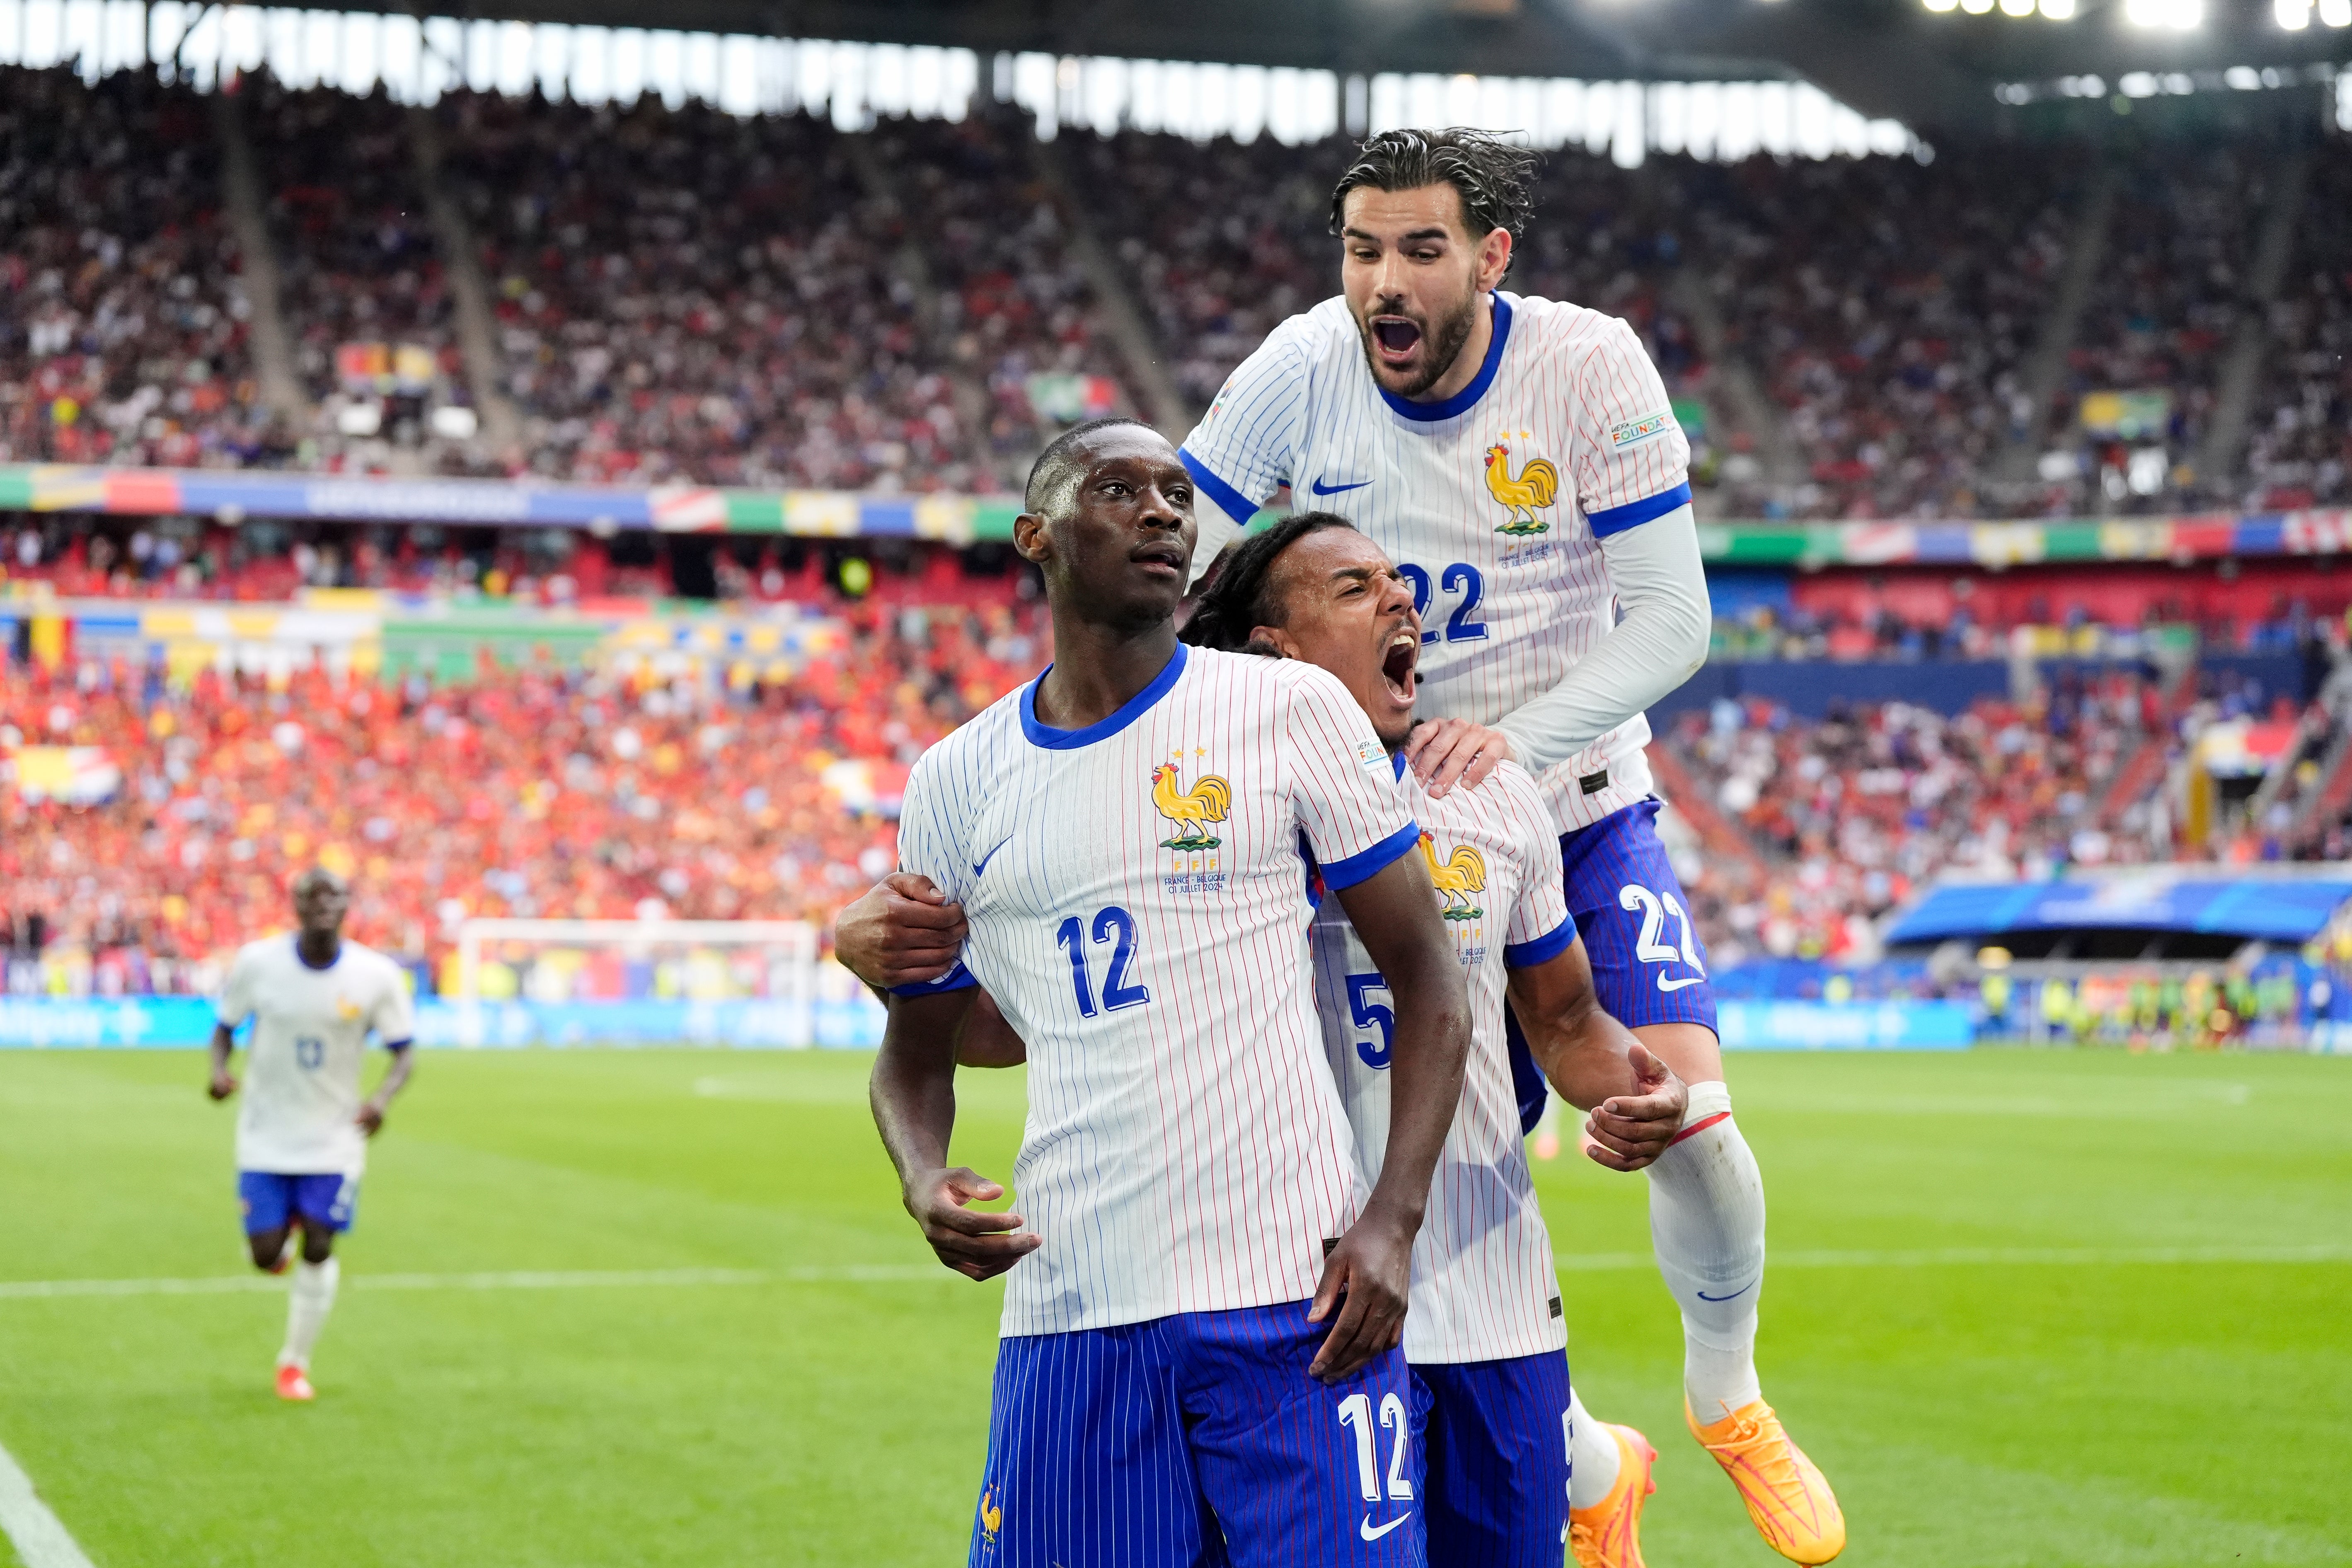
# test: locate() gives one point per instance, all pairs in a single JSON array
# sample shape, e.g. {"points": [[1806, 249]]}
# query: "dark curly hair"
{"points": [[1235, 605], [1491, 176]]}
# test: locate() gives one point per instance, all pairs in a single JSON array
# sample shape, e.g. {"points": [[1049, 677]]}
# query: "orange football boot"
{"points": [[1790, 1502], [293, 1383], [1609, 1533]]}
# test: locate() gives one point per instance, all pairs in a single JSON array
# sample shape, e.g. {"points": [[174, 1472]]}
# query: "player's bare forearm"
{"points": [[913, 1096], [220, 1083], [1368, 1274], [986, 1039], [1636, 1102], [395, 1079], [903, 932]]}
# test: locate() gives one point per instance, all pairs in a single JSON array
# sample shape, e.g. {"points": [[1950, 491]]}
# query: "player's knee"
{"points": [[267, 1246], [318, 1243]]}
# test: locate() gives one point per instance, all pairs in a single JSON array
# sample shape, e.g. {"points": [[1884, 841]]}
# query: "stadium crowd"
{"points": [[539, 791], [683, 295]]}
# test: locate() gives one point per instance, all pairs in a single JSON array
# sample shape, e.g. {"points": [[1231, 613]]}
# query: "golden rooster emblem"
{"points": [[1536, 486], [991, 1516], [1458, 876], [1209, 800]]}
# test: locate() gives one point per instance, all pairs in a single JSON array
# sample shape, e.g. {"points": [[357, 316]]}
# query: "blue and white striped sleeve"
{"points": [[1340, 783], [1540, 928], [931, 842], [1241, 452]]}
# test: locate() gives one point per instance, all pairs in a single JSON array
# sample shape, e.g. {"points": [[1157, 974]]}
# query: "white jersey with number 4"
{"points": [[301, 1090], [1484, 1287], [1494, 502], [1138, 899]]}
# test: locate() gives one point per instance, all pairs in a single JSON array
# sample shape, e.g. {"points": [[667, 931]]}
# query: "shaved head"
{"points": [[1054, 478]]}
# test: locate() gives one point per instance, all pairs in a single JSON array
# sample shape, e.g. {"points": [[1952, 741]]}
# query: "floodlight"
{"points": [[2294, 15], [2058, 10], [2335, 13], [1976, 8], [2017, 7]]}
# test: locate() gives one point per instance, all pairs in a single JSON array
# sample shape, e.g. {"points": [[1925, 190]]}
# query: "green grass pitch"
{"points": [[1963, 1324]]}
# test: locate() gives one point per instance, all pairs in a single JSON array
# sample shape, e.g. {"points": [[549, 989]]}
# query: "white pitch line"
{"points": [[525, 1279], [39, 1540], [1974, 1257], [904, 1273]]}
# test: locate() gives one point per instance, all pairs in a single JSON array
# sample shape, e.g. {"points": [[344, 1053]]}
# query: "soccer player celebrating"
{"points": [[301, 1136], [1484, 1335], [1519, 460], [1203, 1302]]}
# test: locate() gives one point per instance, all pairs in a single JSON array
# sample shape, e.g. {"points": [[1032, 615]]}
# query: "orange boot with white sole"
{"points": [[1788, 1499], [293, 1383], [1609, 1533]]}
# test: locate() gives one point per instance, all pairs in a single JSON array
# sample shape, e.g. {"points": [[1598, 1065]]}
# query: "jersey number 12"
{"points": [[1116, 926]]}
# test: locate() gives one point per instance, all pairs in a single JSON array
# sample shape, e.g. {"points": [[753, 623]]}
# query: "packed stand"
{"points": [[1857, 811], [538, 792], [364, 288], [2300, 454], [1014, 309], [2162, 311], [686, 296], [122, 320]]}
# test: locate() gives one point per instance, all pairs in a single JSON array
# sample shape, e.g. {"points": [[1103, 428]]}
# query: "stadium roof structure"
{"points": [[1894, 59], [2285, 905]]}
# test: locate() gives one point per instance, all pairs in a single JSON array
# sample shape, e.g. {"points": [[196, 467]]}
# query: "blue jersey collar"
{"points": [[1134, 708], [1463, 401]]}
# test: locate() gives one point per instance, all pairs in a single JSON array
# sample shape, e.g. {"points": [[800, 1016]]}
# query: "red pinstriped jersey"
{"points": [[1494, 502], [1137, 894], [1483, 1282]]}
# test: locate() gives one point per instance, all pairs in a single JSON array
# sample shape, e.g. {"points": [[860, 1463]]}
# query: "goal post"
{"points": [[622, 982]]}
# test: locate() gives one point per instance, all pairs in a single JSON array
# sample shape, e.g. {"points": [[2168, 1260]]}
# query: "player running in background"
{"points": [[1203, 1302], [301, 1135], [1519, 460], [1484, 1335]]}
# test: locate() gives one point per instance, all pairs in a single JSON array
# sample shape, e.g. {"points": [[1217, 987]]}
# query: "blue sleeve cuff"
{"points": [[397, 1044], [955, 979], [1632, 514], [1369, 862], [1237, 506], [1542, 949]]}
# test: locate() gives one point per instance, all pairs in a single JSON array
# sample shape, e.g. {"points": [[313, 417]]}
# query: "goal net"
{"points": [[547, 982]]}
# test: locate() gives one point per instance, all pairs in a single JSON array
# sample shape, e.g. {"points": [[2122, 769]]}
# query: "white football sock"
{"points": [[306, 1309], [1592, 1457], [1707, 1222]]}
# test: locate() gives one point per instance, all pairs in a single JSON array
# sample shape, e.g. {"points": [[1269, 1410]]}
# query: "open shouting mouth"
{"points": [[1396, 338], [1398, 662]]}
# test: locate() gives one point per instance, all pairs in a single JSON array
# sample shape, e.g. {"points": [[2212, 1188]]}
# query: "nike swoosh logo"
{"points": [[1320, 489], [1368, 1534], [984, 859], [1666, 985], [1733, 1297]]}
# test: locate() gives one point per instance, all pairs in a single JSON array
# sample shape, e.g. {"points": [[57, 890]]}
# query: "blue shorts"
{"points": [[1494, 1444], [270, 1200], [1648, 964], [1197, 1441]]}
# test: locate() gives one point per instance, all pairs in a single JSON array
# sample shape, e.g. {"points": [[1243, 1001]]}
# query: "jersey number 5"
{"points": [[1377, 1016], [1116, 926]]}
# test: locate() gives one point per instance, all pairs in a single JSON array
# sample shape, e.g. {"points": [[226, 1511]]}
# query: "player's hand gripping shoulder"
{"points": [[1447, 752], [1368, 1273], [903, 932], [913, 1095]]}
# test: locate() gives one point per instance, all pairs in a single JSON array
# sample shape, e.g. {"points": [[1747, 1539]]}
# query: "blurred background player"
{"points": [[1204, 1301], [1520, 459], [302, 1132]]}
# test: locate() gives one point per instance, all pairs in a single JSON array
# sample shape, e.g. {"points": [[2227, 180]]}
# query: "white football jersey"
{"points": [[301, 1090], [1138, 902], [1492, 502], [1484, 1287]]}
